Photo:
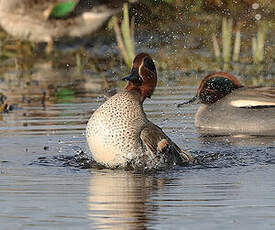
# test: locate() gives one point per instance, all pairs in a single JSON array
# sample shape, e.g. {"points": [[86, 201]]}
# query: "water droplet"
{"points": [[255, 6], [258, 16]]}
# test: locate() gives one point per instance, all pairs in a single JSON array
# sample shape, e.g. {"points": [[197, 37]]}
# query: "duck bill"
{"points": [[194, 100], [128, 78], [133, 76]]}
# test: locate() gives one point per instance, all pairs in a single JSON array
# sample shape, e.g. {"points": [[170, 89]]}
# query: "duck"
{"points": [[229, 106], [118, 133], [3, 102], [35, 20]]}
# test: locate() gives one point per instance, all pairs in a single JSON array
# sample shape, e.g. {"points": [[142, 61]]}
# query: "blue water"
{"points": [[44, 185]]}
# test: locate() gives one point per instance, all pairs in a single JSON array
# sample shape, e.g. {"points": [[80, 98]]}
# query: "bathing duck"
{"points": [[227, 105], [119, 134], [41, 21]]}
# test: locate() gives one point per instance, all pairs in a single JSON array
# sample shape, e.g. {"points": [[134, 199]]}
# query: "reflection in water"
{"points": [[46, 84], [43, 185], [45, 99], [117, 199], [217, 137]]}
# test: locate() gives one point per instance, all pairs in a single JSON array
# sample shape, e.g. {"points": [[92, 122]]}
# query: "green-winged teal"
{"points": [[120, 135], [229, 106], [31, 19]]}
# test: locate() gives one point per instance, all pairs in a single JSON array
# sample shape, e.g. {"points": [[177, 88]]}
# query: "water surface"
{"points": [[45, 184]]}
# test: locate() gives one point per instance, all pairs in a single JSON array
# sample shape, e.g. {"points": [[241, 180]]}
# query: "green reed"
{"points": [[258, 45], [125, 36], [228, 52], [237, 45], [226, 39]]}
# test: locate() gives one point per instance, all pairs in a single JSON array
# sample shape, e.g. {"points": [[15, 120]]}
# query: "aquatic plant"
{"points": [[216, 47], [227, 25], [226, 39], [81, 59], [258, 45], [125, 36], [237, 45]]}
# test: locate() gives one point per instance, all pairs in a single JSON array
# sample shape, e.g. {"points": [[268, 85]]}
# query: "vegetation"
{"points": [[226, 38], [177, 32], [227, 25], [125, 36], [258, 45], [237, 45]]}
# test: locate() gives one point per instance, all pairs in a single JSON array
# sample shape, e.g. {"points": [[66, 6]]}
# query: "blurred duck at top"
{"points": [[227, 105], [49, 20]]}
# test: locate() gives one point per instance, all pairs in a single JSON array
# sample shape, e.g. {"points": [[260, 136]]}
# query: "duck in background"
{"points": [[119, 134], [49, 20], [229, 106], [3, 102], [5, 106]]}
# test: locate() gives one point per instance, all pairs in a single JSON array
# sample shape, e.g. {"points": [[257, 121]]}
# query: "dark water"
{"points": [[44, 183]]}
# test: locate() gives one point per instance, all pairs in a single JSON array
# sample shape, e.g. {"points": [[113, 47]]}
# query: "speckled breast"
{"points": [[113, 130]]}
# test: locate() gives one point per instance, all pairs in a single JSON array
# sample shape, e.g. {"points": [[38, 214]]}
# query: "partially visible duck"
{"points": [[5, 106], [119, 134], [32, 19], [229, 106], [3, 103]]}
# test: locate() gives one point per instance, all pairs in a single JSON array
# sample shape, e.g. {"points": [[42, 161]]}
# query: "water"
{"points": [[45, 184]]}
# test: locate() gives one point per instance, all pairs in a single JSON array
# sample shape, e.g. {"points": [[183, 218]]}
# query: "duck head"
{"points": [[143, 76], [214, 87]]}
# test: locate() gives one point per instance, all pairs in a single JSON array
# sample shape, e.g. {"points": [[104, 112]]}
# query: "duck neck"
{"points": [[138, 90]]}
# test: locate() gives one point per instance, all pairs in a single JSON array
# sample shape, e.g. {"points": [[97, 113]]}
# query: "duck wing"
{"points": [[253, 97], [161, 146]]}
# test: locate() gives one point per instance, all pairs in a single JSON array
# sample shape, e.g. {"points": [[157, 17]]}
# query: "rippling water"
{"points": [[45, 182]]}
